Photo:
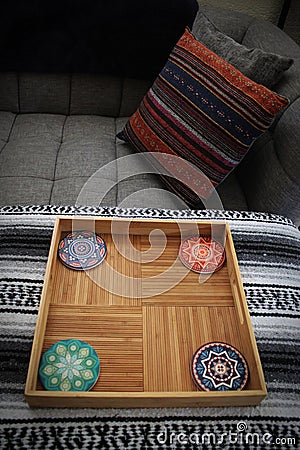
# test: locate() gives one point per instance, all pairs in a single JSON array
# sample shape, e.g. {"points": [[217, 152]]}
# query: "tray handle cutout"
{"points": [[238, 301]]}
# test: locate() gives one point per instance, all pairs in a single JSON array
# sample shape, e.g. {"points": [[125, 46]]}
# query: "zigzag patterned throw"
{"points": [[267, 247]]}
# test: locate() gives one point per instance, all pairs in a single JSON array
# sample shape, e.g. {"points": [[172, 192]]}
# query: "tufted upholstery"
{"points": [[58, 129]]}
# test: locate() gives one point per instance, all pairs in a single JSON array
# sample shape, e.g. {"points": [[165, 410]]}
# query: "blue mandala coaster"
{"points": [[217, 366], [69, 365], [82, 250]]}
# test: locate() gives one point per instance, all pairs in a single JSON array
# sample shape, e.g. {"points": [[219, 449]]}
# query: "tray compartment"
{"points": [[171, 336], [115, 333]]}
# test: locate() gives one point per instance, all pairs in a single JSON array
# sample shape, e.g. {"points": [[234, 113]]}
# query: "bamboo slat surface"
{"points": [[93, 287], [172, 335], [116, 335]]}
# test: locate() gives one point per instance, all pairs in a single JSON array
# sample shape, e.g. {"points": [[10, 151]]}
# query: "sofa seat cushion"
{"points": [[28, 157], [50, 158]]}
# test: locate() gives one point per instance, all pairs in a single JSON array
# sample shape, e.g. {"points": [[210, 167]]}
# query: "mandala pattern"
{"points": [[219, 367], [70, 365], [82, 250], [202, 254]]}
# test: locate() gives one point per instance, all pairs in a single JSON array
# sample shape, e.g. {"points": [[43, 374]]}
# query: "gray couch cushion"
{"points": [[88, 142], [70, 94], [32, 146], [286, 141], [231, 193], [57, 159], [146, 191], [94, 94], [132, 93], [230, 22], [44, 93], [69, 191], [6, 123], [138, 186], [9, 92], [264, 179], [262, 67], [266, 36], [25, 190]]}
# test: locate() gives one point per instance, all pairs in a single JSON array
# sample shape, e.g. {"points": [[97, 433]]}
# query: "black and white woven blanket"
{"points": [[268, 249]]}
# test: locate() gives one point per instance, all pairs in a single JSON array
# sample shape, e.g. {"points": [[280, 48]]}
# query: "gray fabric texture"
{"points": [[92, 94], [70, 94], [6, 122], [32, 146], [232, 23], [87, 144], [267, 184], [260, 34], [44, 93], [146, 191], [70, 189], [286, 141], [132, 93], [25, 190], [264, 68], [9, 92], [231, 193], [58, 155]]}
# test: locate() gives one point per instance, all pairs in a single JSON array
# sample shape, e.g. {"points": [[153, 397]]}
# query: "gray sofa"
{"points": [[58, 129]]}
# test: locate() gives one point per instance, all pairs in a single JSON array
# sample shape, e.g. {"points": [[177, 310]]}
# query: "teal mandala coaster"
{"points": [[70, 365]]}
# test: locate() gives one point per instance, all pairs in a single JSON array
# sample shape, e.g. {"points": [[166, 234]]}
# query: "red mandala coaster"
{"points": [[202, 254]]}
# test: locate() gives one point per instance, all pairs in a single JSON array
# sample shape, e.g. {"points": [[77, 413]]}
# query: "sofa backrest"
{"points": [[124, 38], [70, 94]]}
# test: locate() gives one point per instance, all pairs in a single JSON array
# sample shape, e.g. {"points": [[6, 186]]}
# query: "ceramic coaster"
{"points": [[70, 365], [202, 254], [82, 250], [217, 366]]}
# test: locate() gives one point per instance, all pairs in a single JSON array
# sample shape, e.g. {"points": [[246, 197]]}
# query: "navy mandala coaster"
{"points": [[217, 366], [81, 250]]}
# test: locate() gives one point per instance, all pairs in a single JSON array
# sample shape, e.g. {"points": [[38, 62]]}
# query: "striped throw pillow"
{"points": [[205, 112]]}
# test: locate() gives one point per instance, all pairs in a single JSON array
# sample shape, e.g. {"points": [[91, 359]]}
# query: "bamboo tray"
{"points": [[144, 326]]}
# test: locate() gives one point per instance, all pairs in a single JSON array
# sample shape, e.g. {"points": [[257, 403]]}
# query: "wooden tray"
{"points": [[144, 331]]}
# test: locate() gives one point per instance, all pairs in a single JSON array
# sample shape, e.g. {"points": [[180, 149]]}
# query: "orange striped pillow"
{"points": [[203, 110]]}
